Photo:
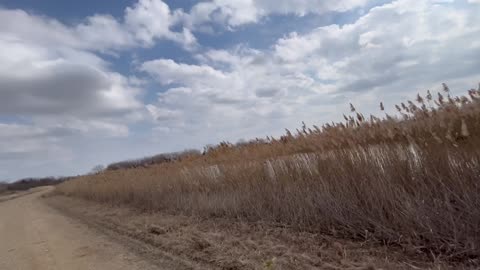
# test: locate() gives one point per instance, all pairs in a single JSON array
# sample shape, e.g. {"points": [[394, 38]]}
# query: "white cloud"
{"points": [[251, 96], [149, 19], [99, 32], [37, 81], [302, 7], [239, 12], [389, 54], [399, 43], [53, 82], [103, 32], [143, 24], [52, 69], [152, 19], [167, 72]]}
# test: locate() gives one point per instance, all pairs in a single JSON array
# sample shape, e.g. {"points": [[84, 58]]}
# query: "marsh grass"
{"points": [[410, 180]]}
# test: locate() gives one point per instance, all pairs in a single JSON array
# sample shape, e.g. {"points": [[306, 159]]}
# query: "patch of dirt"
{"points": [[10, 195], [222, 244], [35, 236]]}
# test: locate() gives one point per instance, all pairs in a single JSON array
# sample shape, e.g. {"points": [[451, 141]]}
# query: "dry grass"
{"points": [[410, 180], [3, 188], [218, 243]]}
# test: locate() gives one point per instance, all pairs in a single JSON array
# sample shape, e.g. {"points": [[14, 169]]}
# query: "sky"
{"points": [[90, 82]]}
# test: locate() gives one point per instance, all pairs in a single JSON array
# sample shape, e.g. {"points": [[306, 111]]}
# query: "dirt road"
{"points": [[33, 236]]}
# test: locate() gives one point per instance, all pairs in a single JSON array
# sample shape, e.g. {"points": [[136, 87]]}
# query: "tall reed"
{"points": [[411, 179]]}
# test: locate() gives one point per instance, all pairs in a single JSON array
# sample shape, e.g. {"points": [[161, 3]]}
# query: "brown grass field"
{"points": [[409, 180]]}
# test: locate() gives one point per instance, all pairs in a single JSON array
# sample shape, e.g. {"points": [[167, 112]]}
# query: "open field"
{"points": [[409, 181]]}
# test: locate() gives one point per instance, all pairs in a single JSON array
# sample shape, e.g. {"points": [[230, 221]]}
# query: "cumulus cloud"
{"points": [[389, 54], [244, 96], [40, 81], [52, 75], [399, 45], [143, 24], [51, 68], [303, 7], [152, 19], [168, 71], [53, 82], [48, 86]]}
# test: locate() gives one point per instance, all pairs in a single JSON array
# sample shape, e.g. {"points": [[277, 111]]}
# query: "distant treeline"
{"points": [[28, 183], [157, 159]]}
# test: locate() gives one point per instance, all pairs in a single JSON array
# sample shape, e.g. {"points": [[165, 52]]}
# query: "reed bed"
{"points": [[411, 179]]}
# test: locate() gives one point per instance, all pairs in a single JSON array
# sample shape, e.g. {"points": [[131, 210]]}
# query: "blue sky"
{"points": [[93, 82]]}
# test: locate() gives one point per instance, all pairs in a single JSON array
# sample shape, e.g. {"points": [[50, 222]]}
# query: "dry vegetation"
{"points": [[3, 188], [410, 180], [28, 183], [153, 160]]}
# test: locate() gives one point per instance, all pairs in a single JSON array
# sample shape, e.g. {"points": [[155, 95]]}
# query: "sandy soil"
{"points": [[33, 236]]}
